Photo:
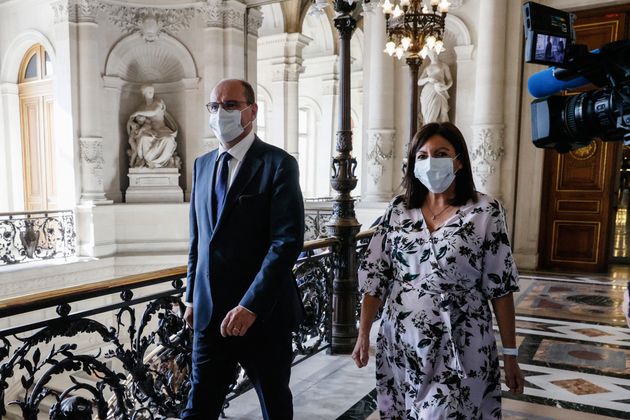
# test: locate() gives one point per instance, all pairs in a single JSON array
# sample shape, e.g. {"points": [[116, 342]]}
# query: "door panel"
{"points": [[577, 200], [34, 188]]}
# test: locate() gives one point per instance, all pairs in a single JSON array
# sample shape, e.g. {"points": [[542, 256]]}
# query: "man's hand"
{"points": [[237, 322], [188, 316]]}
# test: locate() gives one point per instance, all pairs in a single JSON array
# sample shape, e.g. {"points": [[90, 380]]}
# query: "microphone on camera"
{"points": [[544, 83]]}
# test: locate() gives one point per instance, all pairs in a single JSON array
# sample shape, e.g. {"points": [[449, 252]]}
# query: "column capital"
{"points": [[212, 13], [254, 21], [234, 14]]}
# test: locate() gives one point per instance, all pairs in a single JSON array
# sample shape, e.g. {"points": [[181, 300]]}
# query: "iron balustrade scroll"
{"points": [[34, 236], [130, 357]]}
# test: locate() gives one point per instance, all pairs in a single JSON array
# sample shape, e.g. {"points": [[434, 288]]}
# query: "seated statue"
{"points": [[152, 133], [436, 79]]}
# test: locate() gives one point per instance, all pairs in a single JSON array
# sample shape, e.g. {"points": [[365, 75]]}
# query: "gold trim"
{"points": [[554, 242], [614, 23], [599, 209], [586, 152], [604, 159]]}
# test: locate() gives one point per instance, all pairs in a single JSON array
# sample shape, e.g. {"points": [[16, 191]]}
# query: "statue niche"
{"points": [[152, 132], [153, 160]]}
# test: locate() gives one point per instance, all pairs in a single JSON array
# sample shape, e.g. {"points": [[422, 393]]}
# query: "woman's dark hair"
{"points": [[415, 192]]}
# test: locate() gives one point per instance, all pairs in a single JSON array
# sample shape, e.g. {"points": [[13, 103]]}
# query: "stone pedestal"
{"points": [[159, 185]]}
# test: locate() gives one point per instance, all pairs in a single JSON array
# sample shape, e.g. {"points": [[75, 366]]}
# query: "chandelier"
{"points": [[415, 27]]}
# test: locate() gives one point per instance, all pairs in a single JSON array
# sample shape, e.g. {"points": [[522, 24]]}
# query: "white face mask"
{"points": [[227, 124], [435, 173]]}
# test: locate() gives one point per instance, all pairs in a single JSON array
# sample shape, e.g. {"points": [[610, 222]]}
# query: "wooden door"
{"points": [[36, 114], [577, 194]]}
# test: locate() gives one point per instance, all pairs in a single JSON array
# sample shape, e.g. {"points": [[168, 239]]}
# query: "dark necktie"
{"points": [[221, 187]]}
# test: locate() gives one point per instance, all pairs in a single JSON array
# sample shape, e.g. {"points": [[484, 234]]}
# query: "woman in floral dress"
{"points": [[439, 255]]}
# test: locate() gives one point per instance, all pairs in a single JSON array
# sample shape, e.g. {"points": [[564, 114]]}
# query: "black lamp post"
{"points": [[343, 224]]}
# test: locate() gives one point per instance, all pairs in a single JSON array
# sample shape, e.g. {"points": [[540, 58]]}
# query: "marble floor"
{"points": [[574, 349]]}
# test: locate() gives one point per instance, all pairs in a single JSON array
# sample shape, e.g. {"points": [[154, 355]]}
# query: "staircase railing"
{"points": [[120, 349], [36, 235]]}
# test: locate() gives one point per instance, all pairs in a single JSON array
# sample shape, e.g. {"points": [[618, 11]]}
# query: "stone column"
{"points": [[378, 172], [254, 22], [66, 130], [488, 128], [234, 39], [89, 110], [325, 141], [286, 68], [212, 69], [11, 187]]}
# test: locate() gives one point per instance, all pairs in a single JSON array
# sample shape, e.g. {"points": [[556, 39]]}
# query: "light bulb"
{"points": [[406, 42], [434, 2], [423, 52], [390, 48], [399, 52], [425, 9], [439, 46], [443, 6], [404, 3], [387, 7], [431, 41], [397, 11]]}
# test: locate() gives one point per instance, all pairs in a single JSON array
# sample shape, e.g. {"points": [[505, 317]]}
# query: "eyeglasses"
{"points": [[213, 107]]}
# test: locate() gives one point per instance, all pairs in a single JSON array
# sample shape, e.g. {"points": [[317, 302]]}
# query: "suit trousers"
{"points": [[265, 352]]}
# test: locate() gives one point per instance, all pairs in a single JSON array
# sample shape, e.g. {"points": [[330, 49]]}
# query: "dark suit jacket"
{"points": [[247, 257]]}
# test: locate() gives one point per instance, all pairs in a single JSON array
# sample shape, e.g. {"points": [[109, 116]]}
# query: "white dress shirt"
{"points": [[238, 153]]}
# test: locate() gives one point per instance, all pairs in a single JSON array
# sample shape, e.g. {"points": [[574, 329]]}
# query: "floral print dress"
{"points": [[436, 353]]}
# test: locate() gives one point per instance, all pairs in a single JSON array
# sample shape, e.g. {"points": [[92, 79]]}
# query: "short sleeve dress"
{"points": [[436, 353]]}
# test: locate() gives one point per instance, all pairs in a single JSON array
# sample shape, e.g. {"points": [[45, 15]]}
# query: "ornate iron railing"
{"points": [[120, 349], [315, 223], [33, 236]]}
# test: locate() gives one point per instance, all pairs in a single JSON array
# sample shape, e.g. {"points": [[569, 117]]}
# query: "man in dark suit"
{"points": [[246, 231]]}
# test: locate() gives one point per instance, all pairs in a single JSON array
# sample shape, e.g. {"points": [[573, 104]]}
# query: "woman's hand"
{"points": [[361, 354], [513, 376]]}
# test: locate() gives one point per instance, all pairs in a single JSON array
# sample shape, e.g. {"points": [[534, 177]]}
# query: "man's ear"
{"points": [[254, 111]]}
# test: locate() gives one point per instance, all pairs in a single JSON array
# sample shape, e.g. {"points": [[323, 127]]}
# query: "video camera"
{"points": [[569, 122]]}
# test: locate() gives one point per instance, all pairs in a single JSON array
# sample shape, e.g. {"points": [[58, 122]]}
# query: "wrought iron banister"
{"points": [[36, 235], [152, 351]]}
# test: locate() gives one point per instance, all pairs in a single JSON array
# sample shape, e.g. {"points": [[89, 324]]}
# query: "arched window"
{"points": [[36, 115], [36, 65]]}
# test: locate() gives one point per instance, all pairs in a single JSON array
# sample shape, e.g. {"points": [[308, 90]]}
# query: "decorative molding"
{"points": [[150, 22], [92, 161], [286, 72], [487, 151], [234, 15], [254, 21], [373, 7], [380, 149], [456, 4], [60, 11], [85, 11], [212, 13]]}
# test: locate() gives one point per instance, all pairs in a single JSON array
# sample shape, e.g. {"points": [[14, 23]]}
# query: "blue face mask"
{"points": [[227, 124], [436, 174]]}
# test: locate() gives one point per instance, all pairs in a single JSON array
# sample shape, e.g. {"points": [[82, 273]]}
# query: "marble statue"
{"points": [[152, 133], [436, 79]]}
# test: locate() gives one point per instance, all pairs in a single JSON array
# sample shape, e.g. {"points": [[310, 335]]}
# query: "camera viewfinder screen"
{"points": [[550, 48]]}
